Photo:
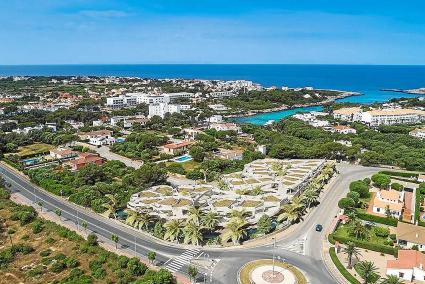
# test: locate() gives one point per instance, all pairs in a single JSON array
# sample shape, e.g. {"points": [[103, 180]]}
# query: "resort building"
{"points": [[162, 108], [391, 200], [176, 148], [393, 116], [409, 236], [348, 114], [261, 188], [418, 133], [408, 266], [121, 101]]}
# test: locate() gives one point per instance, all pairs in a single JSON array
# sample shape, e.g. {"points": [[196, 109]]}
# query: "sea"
{"points": [[368, 80]]}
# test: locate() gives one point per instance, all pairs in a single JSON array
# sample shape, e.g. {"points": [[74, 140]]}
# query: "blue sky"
{"points": [[212, 31]]}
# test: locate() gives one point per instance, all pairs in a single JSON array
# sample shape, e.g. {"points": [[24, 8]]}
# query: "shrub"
{"points": [[45, 253], [23, 214], [397, 186], [399, 174], [58, 266], [377, 219], [381, 231], [176, 168], [37, 226], [345, 203], [355, 196], [36, 271], [99, 273], [368, 245], [341, 267], [71, 262], [92, 240]]}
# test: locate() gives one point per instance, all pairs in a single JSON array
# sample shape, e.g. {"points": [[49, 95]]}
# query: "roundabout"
{"points": [[264, 272]]}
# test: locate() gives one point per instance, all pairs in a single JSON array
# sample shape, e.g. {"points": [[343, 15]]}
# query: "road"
{"points": [[307, 259]]}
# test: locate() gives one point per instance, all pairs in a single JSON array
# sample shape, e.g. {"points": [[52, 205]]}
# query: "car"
{"points": [[319, 228]]}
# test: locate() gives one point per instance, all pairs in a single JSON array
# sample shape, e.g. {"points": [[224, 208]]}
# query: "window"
{"points": [[400, 274]]}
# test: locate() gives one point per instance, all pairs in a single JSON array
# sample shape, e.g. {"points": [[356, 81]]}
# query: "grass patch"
{"points": [[34, 149], [246, 270]]}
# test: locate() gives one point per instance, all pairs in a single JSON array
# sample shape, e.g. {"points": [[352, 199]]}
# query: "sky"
{"points": [[212, 32]]}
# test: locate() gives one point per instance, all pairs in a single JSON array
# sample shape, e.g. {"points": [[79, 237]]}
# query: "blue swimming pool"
{"points": [[183, 158]]}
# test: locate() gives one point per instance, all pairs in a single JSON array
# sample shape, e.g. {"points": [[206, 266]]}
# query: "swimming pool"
{"points": [[183, 158]]}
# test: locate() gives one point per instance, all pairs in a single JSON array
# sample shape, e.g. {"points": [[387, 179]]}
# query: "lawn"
{"points": [[34, 149], [343, 231]]}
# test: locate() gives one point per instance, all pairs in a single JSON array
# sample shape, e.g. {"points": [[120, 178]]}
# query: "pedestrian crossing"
{"points": [[175, 264], [297, 246]]}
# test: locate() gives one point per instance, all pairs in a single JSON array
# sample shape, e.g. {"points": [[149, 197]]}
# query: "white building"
{"points": [[121, 101], [393, 116], [391, 200], [222, 94], [174, 96], [218, 107], [162, 108], [225, 127], [418, 133], [348, 114], [409, 236], [215, 119], [408, 266], [342, 129]]}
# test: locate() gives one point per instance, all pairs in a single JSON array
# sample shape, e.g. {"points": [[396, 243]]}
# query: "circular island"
{"points": [[262, 272]]}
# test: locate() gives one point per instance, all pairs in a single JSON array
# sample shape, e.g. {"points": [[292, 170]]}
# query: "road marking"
{"points": [[298, 246], [175, 264]]}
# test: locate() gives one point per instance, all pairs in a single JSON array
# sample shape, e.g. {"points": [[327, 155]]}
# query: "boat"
{"points": [[269, 122]]}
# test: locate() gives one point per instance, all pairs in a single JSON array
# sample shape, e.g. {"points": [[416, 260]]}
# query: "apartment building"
{"points": [[393, 116], [121, 101], [162, 108], [418, 133], [348, 114]]}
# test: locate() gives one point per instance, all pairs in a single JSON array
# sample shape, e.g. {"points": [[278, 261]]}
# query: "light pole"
{"points": [[135, 246], [274, 246]]}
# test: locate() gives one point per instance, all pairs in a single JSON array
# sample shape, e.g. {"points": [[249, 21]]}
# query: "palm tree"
{"points": [[195, 215], [350, 250], [111, 206], [192, 233], [293, 211], [310, 197], [138, 220], [392, 279], [234, 231], [367, 271], [131, 217], [210, 220], [173, 229], [238, 214], [358, 230]]}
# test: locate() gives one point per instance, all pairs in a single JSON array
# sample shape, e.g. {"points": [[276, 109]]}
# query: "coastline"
{"points": [[344, 94], [418, 91]]}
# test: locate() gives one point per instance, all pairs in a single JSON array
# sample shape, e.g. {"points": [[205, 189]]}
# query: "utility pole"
{"points": [[135, 245]]}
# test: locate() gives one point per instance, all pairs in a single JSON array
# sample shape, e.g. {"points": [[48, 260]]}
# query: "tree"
{"points": [[192, 234], [58, 212], [92, 240], [111, 206], [40, 203], [115, 239], [388, 211], [367, 271], [234, 231], [381, 180], [151, 256], [210, 220], [346, 203], [197, 153], [10, 232], [84, 224], [193, 272], [310, 197], [293, 211], [173, 230], [355, 196], [195, 215], [350, 250], [264, 225], [392, 279], [360, 187], [397, 186], [358, 230], [238, 214]]}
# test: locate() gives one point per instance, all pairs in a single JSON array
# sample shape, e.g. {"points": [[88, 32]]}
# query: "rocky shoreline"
{"points": [[418, 91], [285, 107]]}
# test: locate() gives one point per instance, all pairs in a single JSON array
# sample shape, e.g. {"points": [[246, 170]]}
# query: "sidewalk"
{"points": [[330, 266]]}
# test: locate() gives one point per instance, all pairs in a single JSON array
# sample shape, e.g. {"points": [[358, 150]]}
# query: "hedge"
{"points": [[399, 174], [341, 267], [377, 219], [367, 245]]}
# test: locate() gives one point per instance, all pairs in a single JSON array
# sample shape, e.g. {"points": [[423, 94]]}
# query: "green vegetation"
{"points": [[58, 255], [140, 145], [341, 267]]}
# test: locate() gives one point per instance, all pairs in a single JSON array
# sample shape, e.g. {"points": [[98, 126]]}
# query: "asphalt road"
{"points": [[231, 260]]}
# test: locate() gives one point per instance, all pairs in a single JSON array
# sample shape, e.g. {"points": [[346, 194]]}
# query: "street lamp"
{"points": [[274, 246]]}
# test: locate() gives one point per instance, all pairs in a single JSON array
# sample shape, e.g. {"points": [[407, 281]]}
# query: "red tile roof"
{"points": [[407, 259], [177, 145]]}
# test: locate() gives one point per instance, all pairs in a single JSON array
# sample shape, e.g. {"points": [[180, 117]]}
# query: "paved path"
{"points": [[231, 258]]}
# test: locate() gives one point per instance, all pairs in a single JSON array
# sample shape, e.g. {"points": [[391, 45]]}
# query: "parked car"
{"points": [[319, 228]]}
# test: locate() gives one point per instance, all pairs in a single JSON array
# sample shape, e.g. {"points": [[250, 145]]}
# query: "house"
{"points": [[418, 133], [93, 134], [408, 266], [227, 126], [176, 148], [342, 129], [191, 133], [391, 200], [409, 235], [83, 160], [229, 154], [215, 119], [218, 107], [62, 154], [421, 178]]}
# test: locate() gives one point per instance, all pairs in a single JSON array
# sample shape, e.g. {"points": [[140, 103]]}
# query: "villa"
{"points": [[348, 114], [391, 200], [418, 133], [176, 148], [62, 154], [409, 235], [408, 266], [342, 129], [83, 160]]}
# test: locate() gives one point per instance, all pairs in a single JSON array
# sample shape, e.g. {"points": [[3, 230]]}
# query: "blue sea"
{"points": [[365, 79]]}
